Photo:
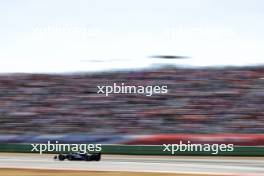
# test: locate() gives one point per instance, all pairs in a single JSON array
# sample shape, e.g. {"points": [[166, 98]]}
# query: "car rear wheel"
{"points": [[61, 157]]}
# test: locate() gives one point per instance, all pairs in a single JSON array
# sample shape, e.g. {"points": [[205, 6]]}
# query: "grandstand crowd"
{"points": [[201, 100]]}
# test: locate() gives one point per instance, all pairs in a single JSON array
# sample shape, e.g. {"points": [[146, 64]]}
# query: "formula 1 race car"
{"points": [[79, 156]]}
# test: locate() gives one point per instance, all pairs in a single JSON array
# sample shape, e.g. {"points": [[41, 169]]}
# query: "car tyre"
{"points": [[61, 157], [97, 158]]}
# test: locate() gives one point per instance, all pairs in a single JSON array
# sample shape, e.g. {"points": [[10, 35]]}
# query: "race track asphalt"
{"points": [[164, 164]]}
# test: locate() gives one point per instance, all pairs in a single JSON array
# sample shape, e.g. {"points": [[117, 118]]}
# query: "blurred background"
{"points": [[41, 107], [54, 54]]}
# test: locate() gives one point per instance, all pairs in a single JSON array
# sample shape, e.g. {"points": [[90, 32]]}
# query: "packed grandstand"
{"points": [[200, 100]]}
